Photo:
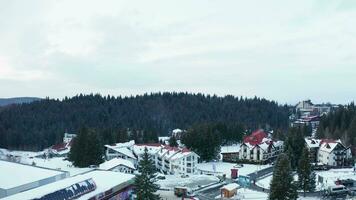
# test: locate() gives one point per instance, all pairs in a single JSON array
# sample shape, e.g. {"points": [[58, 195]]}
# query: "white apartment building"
{"points": [[176, 160], [328, 152], [167, 159], [121, 150]]}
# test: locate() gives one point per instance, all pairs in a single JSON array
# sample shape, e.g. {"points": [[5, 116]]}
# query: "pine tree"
{"points": [[173, 141], [94, 151], [282, 184], [306, 176], [86, 149], [144, 182], [78, 148], [294, 145]]}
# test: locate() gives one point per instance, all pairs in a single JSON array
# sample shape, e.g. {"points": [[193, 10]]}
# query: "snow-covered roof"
{"points": [[180, 155], [231, 186], [108, 165], [312, 143], [126, 152], [230, 149], [264, 146], [278, 143], [123, 148], [104, 180], [120, 145], [328, 146], [163, 138], [152, 148], [15, 174], [175, 131]]}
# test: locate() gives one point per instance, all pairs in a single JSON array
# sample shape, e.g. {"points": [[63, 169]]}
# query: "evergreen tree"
{"points": [[144, 182], [282, 184], [86, 149], [306, 176], [94, 151], [294, 145], [173, 141]]}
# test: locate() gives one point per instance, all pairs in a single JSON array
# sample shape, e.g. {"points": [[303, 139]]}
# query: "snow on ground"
{"points": [[57, 163], [225, 168], [168, 195], [265, 182], [193, 181], [332, 175], [244, 193], [329, 176], [28, 157]]}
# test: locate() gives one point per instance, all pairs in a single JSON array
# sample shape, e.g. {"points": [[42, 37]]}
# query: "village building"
{"points": [[176, 160], [259, 148], [16, 177], [230, 153], [121, 150], [229, 190], [96, 184], [118, 165], [169, 160], [328, 152], [62, 149]]}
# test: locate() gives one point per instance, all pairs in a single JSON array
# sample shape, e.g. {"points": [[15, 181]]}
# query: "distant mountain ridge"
{"points": [[17, 100]]}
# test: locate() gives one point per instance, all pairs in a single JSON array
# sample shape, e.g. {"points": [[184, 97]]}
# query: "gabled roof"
{"points": [[108, 165], [230, 187], [312, 143], [328, 145], [123, 150], [256, 137], [230, 149]]}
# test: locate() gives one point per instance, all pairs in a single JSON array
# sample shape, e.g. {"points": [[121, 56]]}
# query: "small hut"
{"points": [[229, 190]]}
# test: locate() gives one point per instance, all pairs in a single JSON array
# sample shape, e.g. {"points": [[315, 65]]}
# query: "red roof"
{"points": [[256, 137], [60, 146], [327, 141]]}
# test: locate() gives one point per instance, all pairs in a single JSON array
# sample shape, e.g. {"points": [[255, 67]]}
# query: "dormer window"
{"points": [[328, 146], [313, 141]]}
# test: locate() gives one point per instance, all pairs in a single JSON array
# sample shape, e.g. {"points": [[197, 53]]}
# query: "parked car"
{"points": [[184, 176], [160, 177]]}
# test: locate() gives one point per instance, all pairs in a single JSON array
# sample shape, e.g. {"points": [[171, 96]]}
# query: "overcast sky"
{"points": [[281, 50]]}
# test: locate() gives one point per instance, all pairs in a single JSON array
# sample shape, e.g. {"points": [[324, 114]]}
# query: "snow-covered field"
{"points": [[28, 157], [225, 168], [329, 178], [244, 193], [193, 181]]}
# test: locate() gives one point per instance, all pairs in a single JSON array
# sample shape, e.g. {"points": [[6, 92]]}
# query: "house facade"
{"points": [[174, 160], [328, 152], [230, 153], [169, 160], [258, 148], [121, 150]]}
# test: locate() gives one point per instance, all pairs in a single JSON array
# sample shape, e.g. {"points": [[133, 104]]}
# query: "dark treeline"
{"points": [[339, 124], [42, 123], [205, 139]]}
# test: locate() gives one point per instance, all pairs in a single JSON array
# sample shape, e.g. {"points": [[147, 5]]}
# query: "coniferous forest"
{"points": [[40, 124], [340, 124]]}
